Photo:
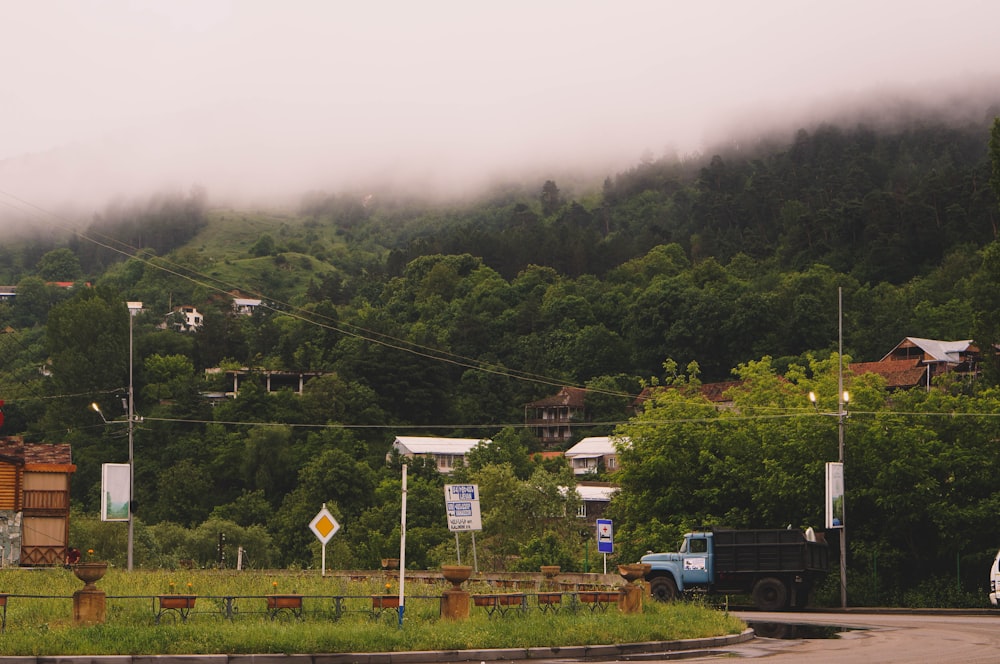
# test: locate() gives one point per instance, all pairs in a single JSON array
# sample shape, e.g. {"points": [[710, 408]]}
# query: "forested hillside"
{"points": [[447, 318]]}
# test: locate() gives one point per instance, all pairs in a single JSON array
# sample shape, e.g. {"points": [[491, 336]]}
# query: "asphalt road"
{"points": [[872, 638]]}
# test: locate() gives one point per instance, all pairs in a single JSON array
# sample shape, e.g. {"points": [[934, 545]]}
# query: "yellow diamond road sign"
{"points": [[324, 525]]}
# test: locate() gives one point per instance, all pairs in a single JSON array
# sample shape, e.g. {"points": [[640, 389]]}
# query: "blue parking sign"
{"points": [[605, 536]]}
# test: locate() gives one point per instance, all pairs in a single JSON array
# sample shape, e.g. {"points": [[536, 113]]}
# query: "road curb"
{"points": [[408, 657]]}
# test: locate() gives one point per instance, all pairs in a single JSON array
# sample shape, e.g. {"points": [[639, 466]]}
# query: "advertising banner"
{"points": [[116, 491], [834, 495]]}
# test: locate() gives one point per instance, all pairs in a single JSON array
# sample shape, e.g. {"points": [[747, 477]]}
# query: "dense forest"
{"points": [[447, 318]]}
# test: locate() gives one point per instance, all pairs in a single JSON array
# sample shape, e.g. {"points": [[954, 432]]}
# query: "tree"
{"points": [[509, 446], [183, 494], [264, 246], [515, 511], [986, 301], [995, 158], [31, 306], [334, 478], [551, 200], [87, 338], [59, 265], [167, 376]]}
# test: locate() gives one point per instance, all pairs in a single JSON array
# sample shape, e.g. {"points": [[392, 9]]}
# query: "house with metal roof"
{"points": [[591, 453], [245, 306], [446, 452], [594, 499], [914, 362]]}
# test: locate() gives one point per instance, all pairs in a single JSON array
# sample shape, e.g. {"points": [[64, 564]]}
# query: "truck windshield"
{"points": [[684, 546]]}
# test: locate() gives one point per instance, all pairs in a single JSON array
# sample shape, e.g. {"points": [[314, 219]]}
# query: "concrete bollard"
{"points": [[455, 605], [89, 606]]}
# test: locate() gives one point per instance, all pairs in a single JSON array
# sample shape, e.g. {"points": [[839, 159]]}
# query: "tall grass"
{"points": [[42, 625]]}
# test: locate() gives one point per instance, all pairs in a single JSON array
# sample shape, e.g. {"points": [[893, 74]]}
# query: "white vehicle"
{"points": [[995, 580]]}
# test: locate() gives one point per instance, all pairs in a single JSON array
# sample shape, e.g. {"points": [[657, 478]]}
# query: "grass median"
{"points": [[337, 616]]}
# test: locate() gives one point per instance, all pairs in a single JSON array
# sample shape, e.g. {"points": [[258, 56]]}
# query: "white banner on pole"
{"points": [[116, 494], [834, 495]]}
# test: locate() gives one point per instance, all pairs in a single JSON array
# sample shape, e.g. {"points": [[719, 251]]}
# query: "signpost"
{"points": [[605, 539], [462, 504], [324, 526]]}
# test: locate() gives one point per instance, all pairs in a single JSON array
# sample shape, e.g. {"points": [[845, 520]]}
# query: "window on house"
{"points": [[581, 511]]}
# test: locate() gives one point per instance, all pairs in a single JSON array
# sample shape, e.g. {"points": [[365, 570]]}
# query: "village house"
{"points": [[183, 319], [551, 419], [595, 498], [446, 452], [914, 362], [592, 454], [245, 306]]}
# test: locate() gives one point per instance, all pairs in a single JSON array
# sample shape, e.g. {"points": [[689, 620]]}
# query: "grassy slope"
{"points": [[223, 251]]}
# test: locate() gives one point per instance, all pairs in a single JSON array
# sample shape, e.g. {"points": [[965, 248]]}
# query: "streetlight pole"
{"points": [[841, 415], [843, 398], [133, 309]]}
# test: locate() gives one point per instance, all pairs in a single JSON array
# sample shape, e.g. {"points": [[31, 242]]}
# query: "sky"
{"points": [[268, 98]]}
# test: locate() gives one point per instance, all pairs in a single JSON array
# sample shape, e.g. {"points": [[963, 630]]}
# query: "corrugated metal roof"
{"points": [[940, 351], [593, 493], [596, 493], [592, 446], [436, 444]]}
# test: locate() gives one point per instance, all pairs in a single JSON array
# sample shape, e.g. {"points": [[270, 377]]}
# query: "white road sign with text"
{"points": [[462, 503]]}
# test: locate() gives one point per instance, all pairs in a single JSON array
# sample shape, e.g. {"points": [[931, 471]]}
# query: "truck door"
{"points": [[697, 562]]}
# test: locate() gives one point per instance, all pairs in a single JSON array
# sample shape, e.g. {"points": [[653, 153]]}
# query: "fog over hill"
{"points": [[258, 101]]}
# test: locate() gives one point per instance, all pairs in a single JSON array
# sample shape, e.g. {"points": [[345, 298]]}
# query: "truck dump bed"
{"points": [[768, 551]]}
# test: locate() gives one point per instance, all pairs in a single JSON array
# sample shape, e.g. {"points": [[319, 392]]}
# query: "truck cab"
{"points": [[691, 567]]}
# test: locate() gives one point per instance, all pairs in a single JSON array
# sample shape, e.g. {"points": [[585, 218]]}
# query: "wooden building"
{"points": [[34, 502], [551, 419]]}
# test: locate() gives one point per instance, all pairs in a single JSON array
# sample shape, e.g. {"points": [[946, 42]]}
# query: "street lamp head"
{"points": [[134, 307], [97, 409], [847, 397]]}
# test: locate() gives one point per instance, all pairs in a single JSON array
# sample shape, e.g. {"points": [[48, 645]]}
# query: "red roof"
{"points": [[14, 450], [714, 392], [59, 454], [568, 396], [898, 374]]}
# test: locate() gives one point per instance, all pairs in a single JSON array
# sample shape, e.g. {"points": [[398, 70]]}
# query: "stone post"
{"points": [[630, 600], [455, 604], [89, 606]]}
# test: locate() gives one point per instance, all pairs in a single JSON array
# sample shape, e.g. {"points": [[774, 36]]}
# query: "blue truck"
{"points": [[777, 568]]}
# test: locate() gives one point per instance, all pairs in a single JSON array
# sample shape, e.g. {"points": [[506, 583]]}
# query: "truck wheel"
{"points": [[663, 589], [770, 594]]}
